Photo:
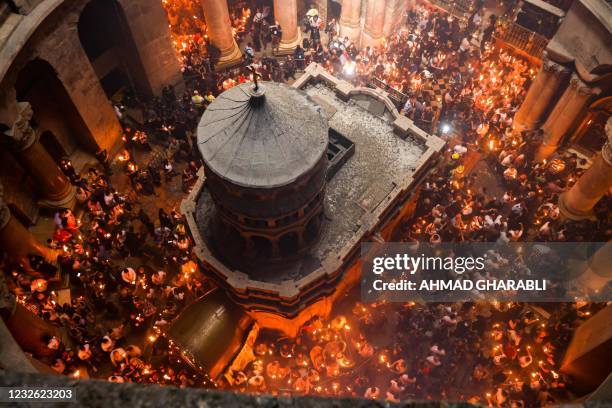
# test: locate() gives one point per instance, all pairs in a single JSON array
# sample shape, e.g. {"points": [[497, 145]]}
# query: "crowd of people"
{"points": [[125, 256], [131, 268], [455, 207], [494, 354], [130, 272]]}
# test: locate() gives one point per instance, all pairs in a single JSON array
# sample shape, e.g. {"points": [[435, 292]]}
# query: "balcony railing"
{"points": [[397, 97], [562, 4], [522, 39], [457, 8]]}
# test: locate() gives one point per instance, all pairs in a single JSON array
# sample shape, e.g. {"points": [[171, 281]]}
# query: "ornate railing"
{"points": [[562, 4], [457, 8], [397, 97], [523, 39]]}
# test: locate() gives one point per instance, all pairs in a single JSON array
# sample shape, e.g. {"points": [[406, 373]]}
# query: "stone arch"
{"points": [[590, 135], [52, 145], [334, 9], [38, 83], [312, 228], [235, 240], [289, 243], [105, 36], [262, 246]]}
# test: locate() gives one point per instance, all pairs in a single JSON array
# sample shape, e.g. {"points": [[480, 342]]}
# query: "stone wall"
{"points": [[48, 31], [149, 27], [54, 39], [584, 39], [106, 394], [377, 19], [25, 6]]}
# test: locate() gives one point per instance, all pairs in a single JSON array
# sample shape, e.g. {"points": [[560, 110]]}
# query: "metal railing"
{"points": [[562, 4], [523, 39], [397, 97], [458, 8]]}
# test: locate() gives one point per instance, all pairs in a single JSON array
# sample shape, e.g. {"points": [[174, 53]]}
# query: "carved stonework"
{"points": [[22, 133], [551, 67], [25, 6], [7, 299], [5, 212], [606, 150], [582, 88]]}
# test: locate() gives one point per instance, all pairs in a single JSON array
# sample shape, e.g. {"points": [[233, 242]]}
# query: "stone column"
{"points": [[275, 248], [322, 7], [596, 272], [350, 20], [25, 7], [548, 83], [587, 353], [26, 331], [220, 32], [374, 22], [63, 50], [285, 12], [578, 202], [148, 25], [11, 355], [394, 12], [56, 189], [564, 115], [15, 239]]}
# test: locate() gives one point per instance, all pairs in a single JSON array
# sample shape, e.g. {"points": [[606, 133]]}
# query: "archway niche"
{"points": [[106, 38], [235, 240], [590, 136], [312, 228], [262, 247], [52, 145], [334, 9], [289, 244], [62, 128]]}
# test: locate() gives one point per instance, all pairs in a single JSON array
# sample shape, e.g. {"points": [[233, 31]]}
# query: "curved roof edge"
{"points": [[23, 32]]}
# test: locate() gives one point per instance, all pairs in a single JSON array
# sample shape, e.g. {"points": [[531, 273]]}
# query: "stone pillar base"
{"points": [[520, 126], [544, 151], [230, 59], [29, 331], [67, 200], [287, 48], [570, 214], [368, 40], [18, 242], [353, 32]]}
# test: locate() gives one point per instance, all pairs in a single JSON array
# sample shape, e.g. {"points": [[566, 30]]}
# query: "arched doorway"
{"points": [[334, 9], [234, 240], [591, 134], [52, 145], [106, 38], [289, 244], [54, 111], [312, 228], [262, 247]]}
